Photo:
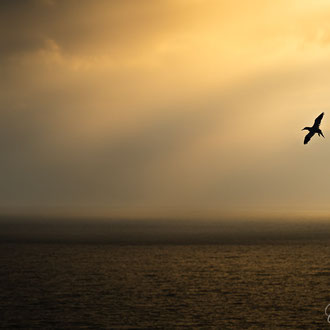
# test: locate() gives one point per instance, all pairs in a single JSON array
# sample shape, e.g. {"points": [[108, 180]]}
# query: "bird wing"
{"points": [[308, 137], [317, 121]]}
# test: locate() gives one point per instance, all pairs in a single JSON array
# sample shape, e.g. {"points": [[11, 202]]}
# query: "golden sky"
{"points": [[172, 107]]}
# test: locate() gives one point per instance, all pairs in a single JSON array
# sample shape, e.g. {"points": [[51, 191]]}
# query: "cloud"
{"points": [[155, 105]]}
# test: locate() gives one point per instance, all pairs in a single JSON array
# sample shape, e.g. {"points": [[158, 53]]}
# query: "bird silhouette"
{"points": [[314, 129]]}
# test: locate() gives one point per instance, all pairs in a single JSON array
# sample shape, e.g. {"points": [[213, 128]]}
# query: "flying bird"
{"points": [[314, 129]]}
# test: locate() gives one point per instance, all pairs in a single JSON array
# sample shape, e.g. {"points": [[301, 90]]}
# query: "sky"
{"points": [[164, 108]]}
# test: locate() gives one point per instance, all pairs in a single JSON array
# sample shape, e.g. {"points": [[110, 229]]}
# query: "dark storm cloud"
{"points": [[82, 27], [22, 26]]}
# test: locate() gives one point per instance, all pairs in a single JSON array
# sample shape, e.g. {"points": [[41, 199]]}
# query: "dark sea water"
{"points": [[114, 286]]}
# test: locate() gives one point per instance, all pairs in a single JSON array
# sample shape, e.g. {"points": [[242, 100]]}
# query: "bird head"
{"points": [[306, 128]]}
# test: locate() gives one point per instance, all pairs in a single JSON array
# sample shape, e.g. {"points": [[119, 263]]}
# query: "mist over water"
{"points": [[161, 231]]}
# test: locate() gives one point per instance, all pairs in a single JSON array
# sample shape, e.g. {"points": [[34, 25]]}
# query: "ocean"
{"points": [[166, 286]]}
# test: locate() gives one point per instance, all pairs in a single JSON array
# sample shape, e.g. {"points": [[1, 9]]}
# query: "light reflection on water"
{"points": [[165, 286]]}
